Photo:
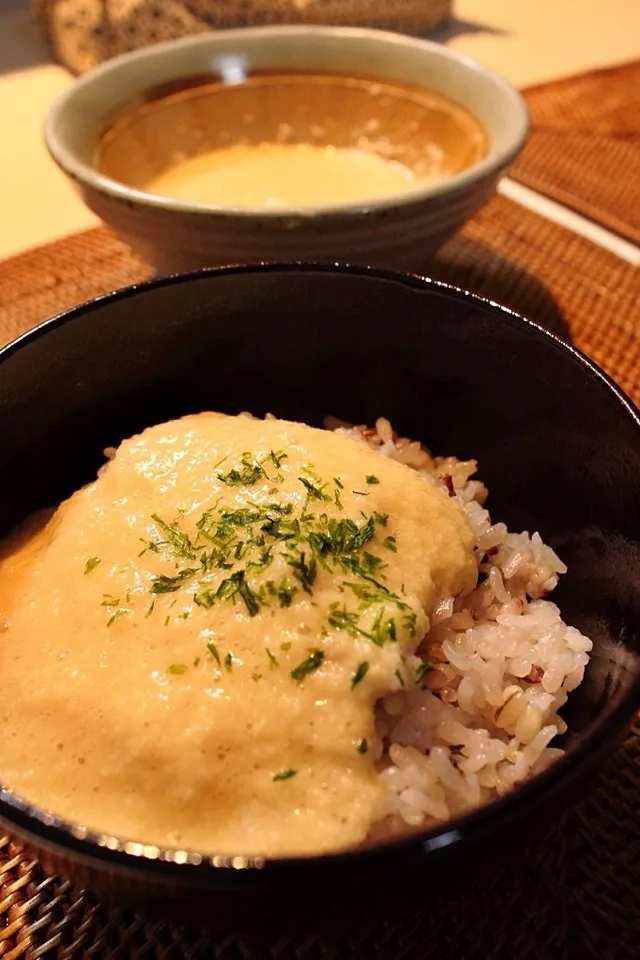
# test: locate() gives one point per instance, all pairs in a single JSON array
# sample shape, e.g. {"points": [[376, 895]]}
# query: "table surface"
{"points": [[528, 41]]}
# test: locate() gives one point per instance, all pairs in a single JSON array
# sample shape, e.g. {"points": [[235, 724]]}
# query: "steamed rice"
{"points": [[503, 664]]}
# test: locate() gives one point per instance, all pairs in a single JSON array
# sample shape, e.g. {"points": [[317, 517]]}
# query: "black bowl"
{"points": [[558, 445]]}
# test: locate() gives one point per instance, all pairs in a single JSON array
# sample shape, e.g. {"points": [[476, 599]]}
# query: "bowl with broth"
{"points": [[314, 143]]}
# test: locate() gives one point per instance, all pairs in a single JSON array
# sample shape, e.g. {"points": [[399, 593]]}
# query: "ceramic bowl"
{"points": [[117, 127], [559, 449]]}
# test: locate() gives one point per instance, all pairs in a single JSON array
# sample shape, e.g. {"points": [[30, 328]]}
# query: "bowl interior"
{"points": [[426, 131]]}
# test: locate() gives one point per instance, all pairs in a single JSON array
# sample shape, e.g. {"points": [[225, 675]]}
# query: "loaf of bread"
{"points": [[84, 33]]}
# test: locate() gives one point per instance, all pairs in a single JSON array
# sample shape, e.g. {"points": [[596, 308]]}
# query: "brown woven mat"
{"points": [[585, 147]]}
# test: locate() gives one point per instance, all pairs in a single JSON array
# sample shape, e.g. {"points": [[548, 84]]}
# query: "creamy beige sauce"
{"points": [[281, 175], [212, 720]]}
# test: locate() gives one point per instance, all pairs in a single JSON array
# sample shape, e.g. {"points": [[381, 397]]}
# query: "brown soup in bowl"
{"points": [[288, 140]]}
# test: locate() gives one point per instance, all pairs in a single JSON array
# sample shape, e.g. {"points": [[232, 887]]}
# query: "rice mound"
{"points": [[503, 664]]}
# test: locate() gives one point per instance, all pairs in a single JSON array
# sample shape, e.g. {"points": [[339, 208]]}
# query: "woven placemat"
{"points": [[585, 147]]}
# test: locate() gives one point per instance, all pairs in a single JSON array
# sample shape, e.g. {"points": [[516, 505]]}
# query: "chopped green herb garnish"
{"points": [[342, 619], [213, 650], [149, 545], [285, 646], [263, 560], [256, 676], [109, 601], [273, 663], [233, 545], [228, 662], [400, 677], [246, 476], [150, 610], [284, 591], [284, 775], [383, 630], [118, 615], [277, 457], [176, 669], [409, 621], [196, 662], [423, 670], [304, 572], [343, 539], [179, 541], [166, 620], [164, 584], [361, 671], [371, 592], [314, 492], [363, 746], [91, 564], [336, 494], [251, 601], [229, 589], [312, 663], [237, 585], [308, 469], [205, 598], [370, 564]]}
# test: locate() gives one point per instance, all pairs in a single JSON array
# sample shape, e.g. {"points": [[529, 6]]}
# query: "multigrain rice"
{"points": [[502, 664]]}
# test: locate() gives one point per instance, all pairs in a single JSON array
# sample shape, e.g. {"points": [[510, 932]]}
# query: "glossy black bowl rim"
{"points": [[49, 832]]}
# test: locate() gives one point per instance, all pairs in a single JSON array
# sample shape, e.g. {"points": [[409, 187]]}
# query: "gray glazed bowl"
{"points": [[398, 231]]}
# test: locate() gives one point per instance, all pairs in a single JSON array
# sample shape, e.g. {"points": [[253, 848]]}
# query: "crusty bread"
{"points": [[84, 33]]}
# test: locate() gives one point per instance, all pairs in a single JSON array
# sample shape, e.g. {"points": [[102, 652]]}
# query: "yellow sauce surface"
{"points": [[181, 662], [279, 175]]}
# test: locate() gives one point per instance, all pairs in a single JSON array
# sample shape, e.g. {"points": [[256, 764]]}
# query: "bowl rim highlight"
{"points": [[27, 820], [86, 173]]}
